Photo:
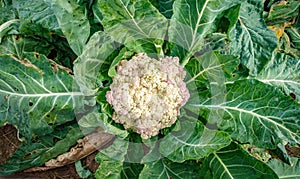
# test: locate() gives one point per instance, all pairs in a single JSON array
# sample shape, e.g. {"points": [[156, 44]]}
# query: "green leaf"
{"points": [[234, 162], [36, 94], [191, 22], [73, 23], [284, 72], [81, 171], [164, 7], [7, 27], [18, 45], [96, 119], [131, 170], [294, 34], [192, 141], [251, 39], [285, 171], [111, 160], [256, 113], [123, 55], [211, 67], [7, 13], [89, 63], [38, 12], [283, 12], [137, 24], [165, 168]]}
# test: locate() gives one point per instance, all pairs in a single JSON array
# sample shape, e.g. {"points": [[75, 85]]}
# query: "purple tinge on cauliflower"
{"points": [[147, 94]]}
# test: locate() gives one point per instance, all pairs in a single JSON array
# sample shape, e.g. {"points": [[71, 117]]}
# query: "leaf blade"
{"points": [[164, 168], [251, 39], [253, 103], [192, 142], [285, 171], [191, 22], [137, 24], [73, 23], [35, 95], [282, 71], [233, 162]]}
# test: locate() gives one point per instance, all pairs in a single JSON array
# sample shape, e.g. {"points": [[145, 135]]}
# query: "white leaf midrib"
{"points": [[223, 165], [248, 112], [51, 94]]}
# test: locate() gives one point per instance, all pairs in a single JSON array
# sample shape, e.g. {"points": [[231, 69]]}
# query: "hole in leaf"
{"points": [[55, 139], [52, 55], [223, 25], [293, 95], [48, 115], [27, 156], [16, 37], [30, 103]]}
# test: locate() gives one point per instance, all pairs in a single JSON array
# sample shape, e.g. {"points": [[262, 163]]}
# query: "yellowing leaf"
{"points": [[279, 29]]}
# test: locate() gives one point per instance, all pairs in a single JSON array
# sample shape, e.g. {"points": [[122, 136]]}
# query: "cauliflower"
{"points": [[147, 94]]}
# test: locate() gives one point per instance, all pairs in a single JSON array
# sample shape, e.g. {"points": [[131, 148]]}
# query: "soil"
{"points": [[8, 141]]}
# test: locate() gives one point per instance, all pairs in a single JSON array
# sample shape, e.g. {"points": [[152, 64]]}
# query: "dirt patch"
{"points": [[293, 151], [8, 141]]}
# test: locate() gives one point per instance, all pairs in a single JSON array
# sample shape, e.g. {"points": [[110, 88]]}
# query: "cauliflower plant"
{"points": [[147, 94]]}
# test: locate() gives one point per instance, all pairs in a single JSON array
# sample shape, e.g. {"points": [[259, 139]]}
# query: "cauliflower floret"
{"points": [[147, 94]]}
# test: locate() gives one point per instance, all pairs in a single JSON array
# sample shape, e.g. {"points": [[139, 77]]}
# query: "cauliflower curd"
{"points": [[147, 94]]}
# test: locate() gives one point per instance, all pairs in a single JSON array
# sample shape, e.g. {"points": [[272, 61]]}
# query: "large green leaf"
{"points": [[192, 141], [38, 12], [20, 36], [209, 71], [111, 160], [233, 162], [285, 171], [257, 113], [138, 24], [251, 39], [73, 23], [191, 22], [88, 64], [284, 72], [36, 94], [165, 168], [211, 67]]}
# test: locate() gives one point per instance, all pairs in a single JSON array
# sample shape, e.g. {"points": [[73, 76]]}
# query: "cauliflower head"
{"points": [[147, 94]]}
